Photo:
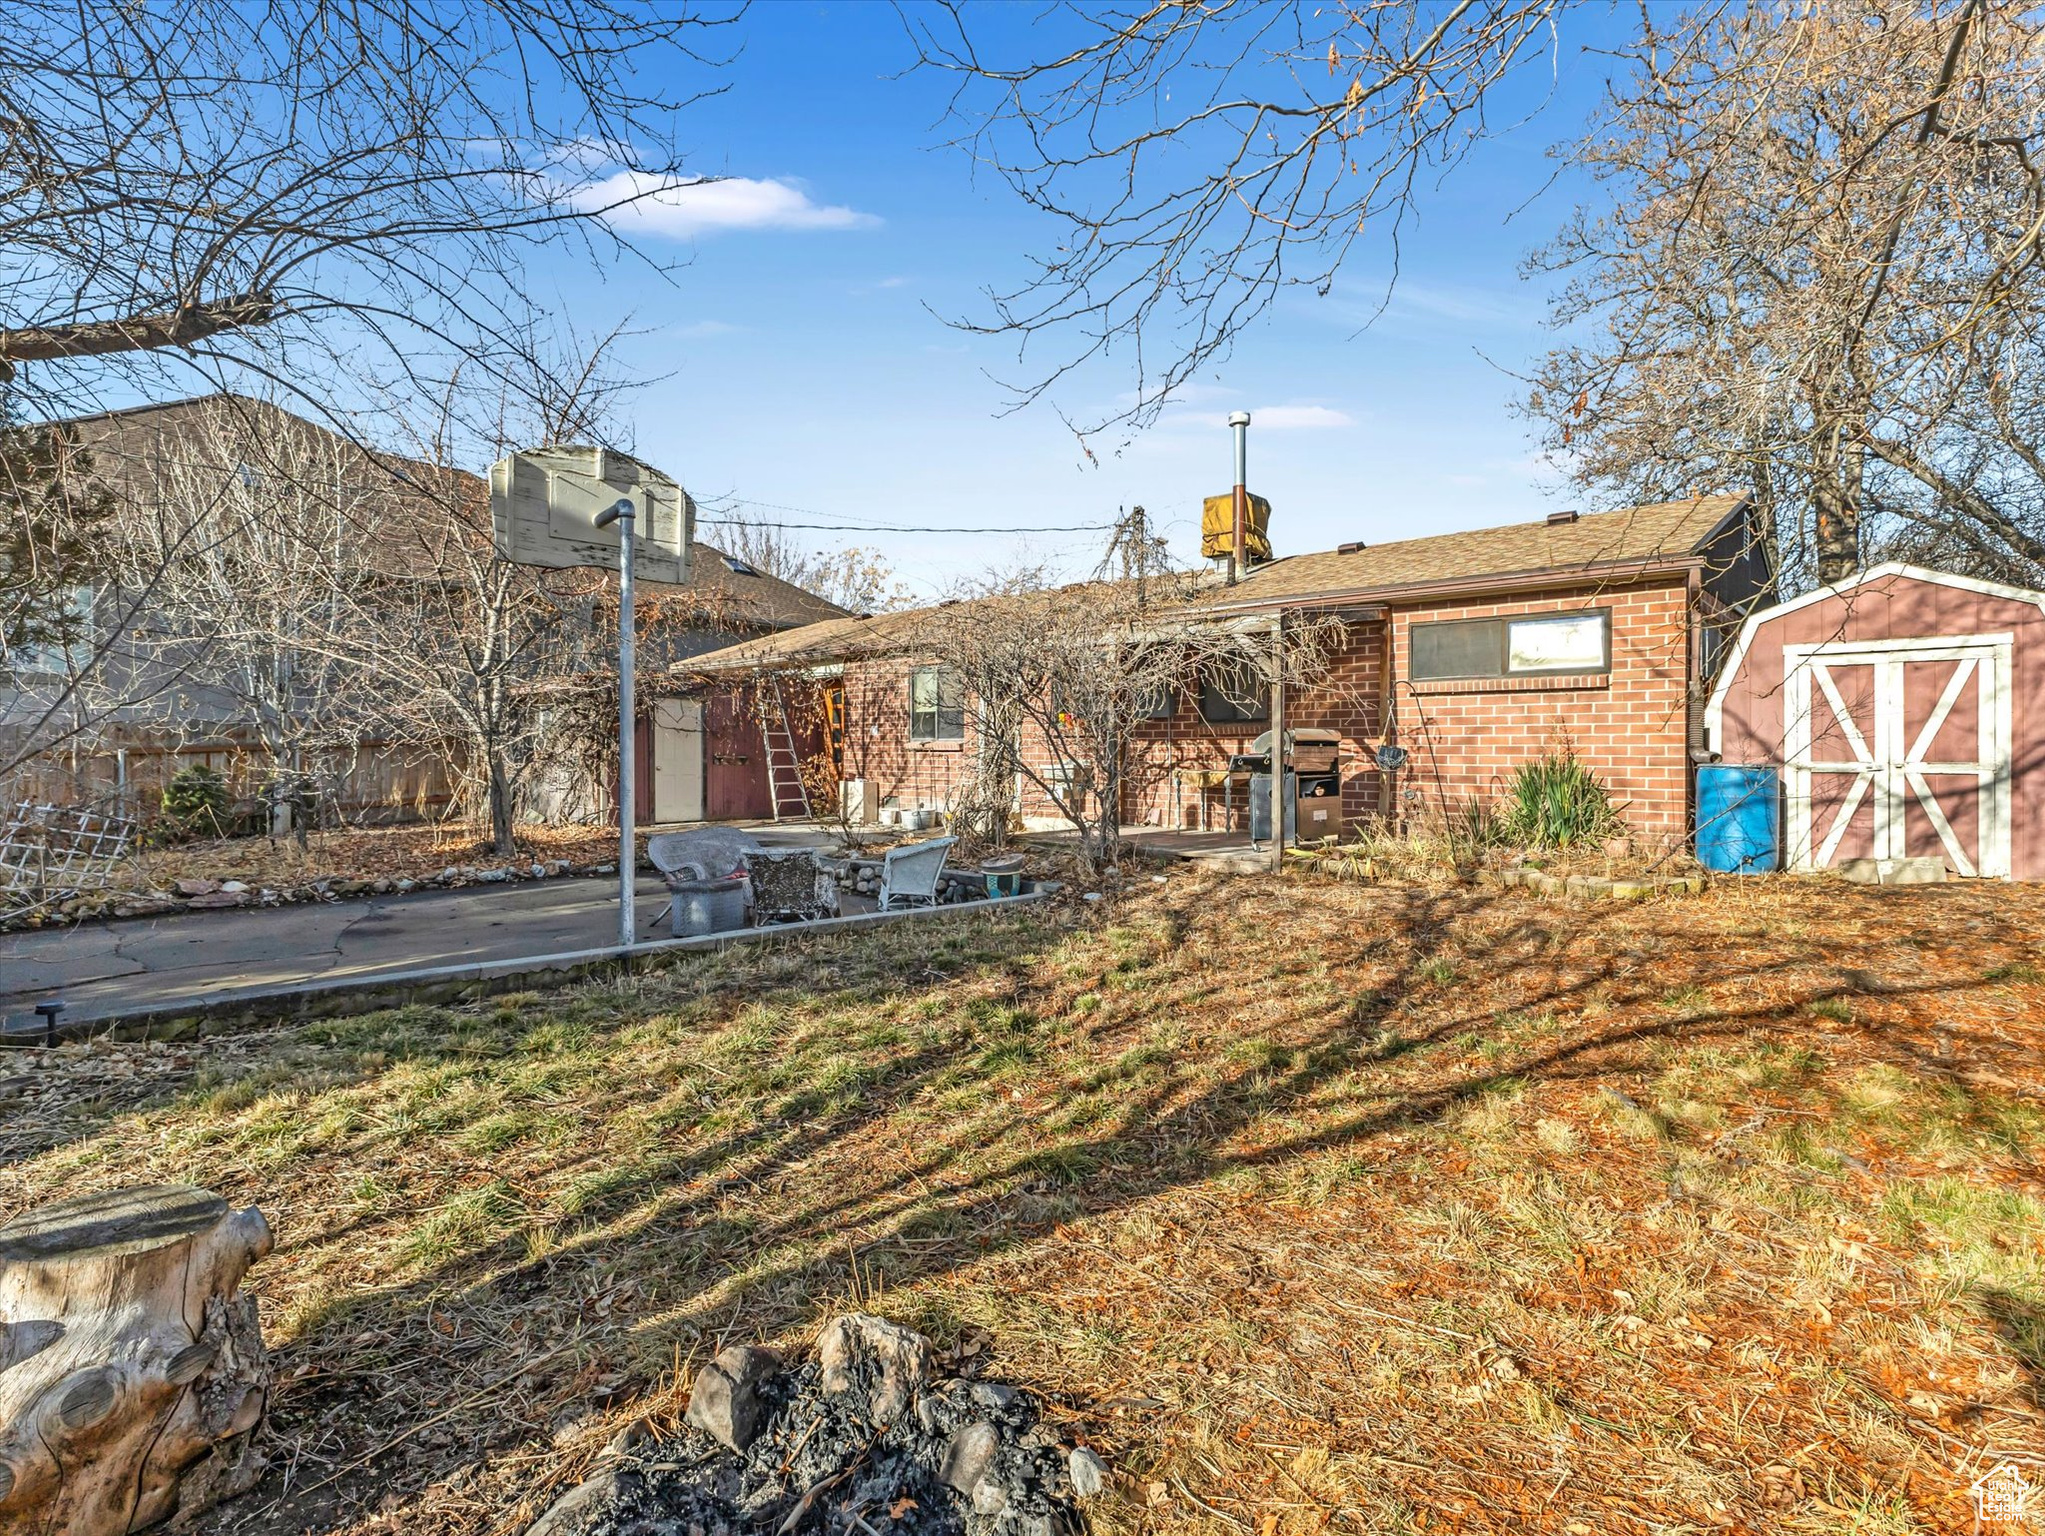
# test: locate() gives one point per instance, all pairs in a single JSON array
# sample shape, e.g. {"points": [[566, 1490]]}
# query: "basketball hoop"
{"points": [[545, 502]]}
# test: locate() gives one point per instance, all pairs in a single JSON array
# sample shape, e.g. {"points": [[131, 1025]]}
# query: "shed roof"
{"points": [[1633, 540]]}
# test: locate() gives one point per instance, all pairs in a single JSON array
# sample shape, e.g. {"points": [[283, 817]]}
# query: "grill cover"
{"points": [[1311, 750]]}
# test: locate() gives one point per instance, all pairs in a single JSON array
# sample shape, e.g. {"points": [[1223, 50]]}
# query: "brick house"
{"points": [[1473, 652]]}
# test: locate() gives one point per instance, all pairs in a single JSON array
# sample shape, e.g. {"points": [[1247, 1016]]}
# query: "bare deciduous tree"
{"points": [[1060, 680], [853, 576], [250, 535], [306, 191], [1819, 278], [1198, 159]]}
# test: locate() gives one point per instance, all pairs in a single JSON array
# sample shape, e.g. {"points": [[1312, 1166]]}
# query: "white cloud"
{"points": [[1297, 418], [684, 209]]}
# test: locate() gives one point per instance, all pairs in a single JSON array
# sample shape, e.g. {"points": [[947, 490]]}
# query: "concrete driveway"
{"points": [[104, 968]]}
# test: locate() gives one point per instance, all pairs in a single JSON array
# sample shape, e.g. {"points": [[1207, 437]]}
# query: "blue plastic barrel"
{"points": [[1739, 819]]}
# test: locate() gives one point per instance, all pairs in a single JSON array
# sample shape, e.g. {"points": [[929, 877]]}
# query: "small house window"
{"points": [[937, 705], [739, 567], [1532, 646], [1233, 694]]}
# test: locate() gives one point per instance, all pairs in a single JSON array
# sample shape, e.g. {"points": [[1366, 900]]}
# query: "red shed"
{"points": [[1903, 709]]}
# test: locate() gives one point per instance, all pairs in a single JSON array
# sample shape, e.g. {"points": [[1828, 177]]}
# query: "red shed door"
{"points": [[1899, 749]]}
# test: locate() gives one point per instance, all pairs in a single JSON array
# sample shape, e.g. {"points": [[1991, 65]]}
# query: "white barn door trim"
{"points": [[1889, 768]]}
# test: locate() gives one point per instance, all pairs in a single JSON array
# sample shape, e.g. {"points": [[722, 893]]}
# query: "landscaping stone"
{"points": [[1891, 871], [968, 1456], [191, 886], [1088, 1472], [885, 1361], [727, 1402]]}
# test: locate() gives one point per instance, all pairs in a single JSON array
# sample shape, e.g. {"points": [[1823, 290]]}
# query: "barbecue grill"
{"points": [[1314, 778]]}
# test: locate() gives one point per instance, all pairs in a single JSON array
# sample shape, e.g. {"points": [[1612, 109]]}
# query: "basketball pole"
{"points": [[621, 511]]}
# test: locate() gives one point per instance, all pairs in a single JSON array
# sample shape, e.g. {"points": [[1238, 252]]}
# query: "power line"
{"points": [[743, 501]]}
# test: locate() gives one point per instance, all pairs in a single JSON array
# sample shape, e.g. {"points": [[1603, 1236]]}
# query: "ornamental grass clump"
{"points": [[1555, 801]]}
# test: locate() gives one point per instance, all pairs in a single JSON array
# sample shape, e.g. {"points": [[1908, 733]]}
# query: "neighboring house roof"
{"points": [[130, 448], [750, 598], [1610, 545]]}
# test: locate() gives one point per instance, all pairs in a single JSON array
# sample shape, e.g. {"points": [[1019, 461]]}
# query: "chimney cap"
{"points": [[1351, 547], [1237, 418], [1557, 519]]}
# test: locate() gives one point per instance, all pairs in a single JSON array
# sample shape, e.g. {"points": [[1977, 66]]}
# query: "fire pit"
{"points": [[865, 1438]]}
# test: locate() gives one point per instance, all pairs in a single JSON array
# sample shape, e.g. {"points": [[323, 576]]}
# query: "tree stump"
{"points": [[132, 1376]]}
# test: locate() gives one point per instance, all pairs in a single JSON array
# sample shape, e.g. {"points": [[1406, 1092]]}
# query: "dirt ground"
{"points": [[1311, 1206]]}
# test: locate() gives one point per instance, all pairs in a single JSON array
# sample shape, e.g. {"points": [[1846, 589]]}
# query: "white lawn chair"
{"points": [[908, 874]]}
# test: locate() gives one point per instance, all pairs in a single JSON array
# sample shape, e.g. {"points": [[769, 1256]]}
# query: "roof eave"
{"points": [[1460, 586]]}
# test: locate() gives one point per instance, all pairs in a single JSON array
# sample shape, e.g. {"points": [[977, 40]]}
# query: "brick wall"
{"points": [[1163, 788], [1630, 726], [1465, 738], [877, 744]]}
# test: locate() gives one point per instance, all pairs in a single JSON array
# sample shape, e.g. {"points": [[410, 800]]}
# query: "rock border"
{"points": [[188, 894], [1599, 887]]}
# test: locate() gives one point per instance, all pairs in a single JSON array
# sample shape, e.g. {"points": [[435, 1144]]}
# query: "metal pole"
{"points": [[1239, 553], [1281, 800], [628, 849]]}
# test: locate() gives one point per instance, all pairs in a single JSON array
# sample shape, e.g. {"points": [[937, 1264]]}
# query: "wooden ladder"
{"points": [[784, 763]]}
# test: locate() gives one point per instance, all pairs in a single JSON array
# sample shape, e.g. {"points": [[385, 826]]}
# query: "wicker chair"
{"points": [[701, 853], [789, 885], [909, 874]]}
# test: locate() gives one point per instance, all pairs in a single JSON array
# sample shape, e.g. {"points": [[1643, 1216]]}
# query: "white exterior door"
{"points": [[677, 760], [1899, 749]]}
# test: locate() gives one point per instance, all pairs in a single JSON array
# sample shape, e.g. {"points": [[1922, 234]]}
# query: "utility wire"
{"points": [[905, 528], [745, 501]]}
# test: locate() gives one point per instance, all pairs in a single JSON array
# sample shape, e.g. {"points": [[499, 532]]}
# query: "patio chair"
{"points": [[701, 853], [790, 885], [908, 875]]}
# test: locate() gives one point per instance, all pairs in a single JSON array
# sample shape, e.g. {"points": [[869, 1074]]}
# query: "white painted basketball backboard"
{"points": [[544, 505]]}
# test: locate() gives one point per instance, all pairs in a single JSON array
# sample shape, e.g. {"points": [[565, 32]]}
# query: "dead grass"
{"points": [[1312, 1206]]}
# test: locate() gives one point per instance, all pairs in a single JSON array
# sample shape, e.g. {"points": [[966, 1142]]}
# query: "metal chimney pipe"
{"points": [[1239, 552]]}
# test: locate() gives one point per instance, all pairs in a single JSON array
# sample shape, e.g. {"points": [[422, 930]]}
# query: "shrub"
{"points": [[1555, 801], [195, 802]]}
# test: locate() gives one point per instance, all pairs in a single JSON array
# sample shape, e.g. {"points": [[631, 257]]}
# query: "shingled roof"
{"points": [[1610, 545], [132, 448], [1601, 543]]}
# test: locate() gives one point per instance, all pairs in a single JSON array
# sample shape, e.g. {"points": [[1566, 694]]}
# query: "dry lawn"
{"points": [[1311, 1206]]}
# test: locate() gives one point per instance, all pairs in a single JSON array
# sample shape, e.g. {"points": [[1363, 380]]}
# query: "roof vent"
{"points": [[1558, 519], [1351, 547]]}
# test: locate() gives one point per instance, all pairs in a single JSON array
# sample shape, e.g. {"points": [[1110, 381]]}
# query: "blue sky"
{"points": [[800, 364]]}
